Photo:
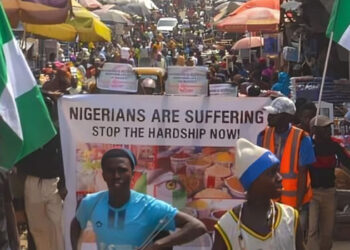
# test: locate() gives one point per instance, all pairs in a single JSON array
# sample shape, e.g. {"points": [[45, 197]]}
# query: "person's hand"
{"points": [[62, 191], [153, 246]]}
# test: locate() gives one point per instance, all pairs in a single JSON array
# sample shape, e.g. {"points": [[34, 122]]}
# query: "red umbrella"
{"points": [[253, 20], [249, 42], [271, 4]]}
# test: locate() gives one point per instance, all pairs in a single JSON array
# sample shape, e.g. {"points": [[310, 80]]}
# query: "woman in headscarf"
{"points": [[283, 83]]}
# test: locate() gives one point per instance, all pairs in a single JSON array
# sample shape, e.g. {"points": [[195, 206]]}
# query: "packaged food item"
{"points": [[225, 159], [147, 156], [212, 193], [178, 162], [215, 175], [202, 207], [235, 187], [197, 166], [191, 184]]}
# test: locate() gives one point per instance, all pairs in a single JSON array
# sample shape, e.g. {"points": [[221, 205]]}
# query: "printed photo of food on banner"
{"points": [[197, 180]]}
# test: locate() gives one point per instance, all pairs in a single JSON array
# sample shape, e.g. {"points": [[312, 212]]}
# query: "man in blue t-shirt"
{"points": [[124, 219]]}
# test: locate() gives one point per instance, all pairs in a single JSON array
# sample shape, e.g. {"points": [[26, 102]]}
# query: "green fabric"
{"points": [[10, 143], [37, 127], [339, 20], [5, 37]]}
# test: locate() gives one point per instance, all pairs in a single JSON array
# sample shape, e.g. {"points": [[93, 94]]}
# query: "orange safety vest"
{"points": [[289, 167]]}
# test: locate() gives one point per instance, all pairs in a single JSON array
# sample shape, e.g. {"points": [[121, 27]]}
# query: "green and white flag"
{"points": [[339, 23], [25, 124]]}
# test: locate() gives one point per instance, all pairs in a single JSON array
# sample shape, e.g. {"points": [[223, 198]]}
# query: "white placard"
{"points": [[117, 77], [187, 81]]}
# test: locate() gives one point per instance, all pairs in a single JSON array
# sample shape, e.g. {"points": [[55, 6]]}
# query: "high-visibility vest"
{"points": [[289, 167]]}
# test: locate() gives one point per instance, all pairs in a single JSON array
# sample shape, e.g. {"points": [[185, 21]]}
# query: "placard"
{"points": [[117, 77], [187, 81]]}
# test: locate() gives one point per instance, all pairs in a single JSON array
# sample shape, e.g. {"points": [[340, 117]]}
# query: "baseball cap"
{"points": [[251, 161], [281, 105], [322, 121]]}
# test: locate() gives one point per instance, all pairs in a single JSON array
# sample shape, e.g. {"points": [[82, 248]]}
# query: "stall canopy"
{"points": [[248, 43], [227, 10], [84, 24], [36, 11], [257, 19], [271, 4], [111, 16], [90, 4], [141, 8]]}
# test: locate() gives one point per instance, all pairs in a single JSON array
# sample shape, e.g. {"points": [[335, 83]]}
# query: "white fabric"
{"points": [[284, 234], [23, 80], [345, 39], [9, 112], [17, 84], [246, 154]]}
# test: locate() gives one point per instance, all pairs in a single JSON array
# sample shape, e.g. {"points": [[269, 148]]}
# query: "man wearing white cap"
{"points": [[293, 147], [259, 223]]}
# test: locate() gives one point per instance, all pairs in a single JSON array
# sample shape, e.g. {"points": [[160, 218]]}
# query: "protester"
{"points": [[138, 215], [323, 203], [258, 223], [44, 190], [283, 84], [293, 147], [8, 226], [304, 115]]}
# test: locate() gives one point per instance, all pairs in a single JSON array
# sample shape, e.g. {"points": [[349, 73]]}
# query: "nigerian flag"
{"points": [[25, 123], [339, 23]]}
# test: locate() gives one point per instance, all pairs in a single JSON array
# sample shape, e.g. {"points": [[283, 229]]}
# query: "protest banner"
{"points": [[187, 81], [184, 148], [117, 77]]}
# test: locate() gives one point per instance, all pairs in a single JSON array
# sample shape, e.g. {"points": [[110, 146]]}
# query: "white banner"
{"points": [[187, 81], [187, 140], [117, 77]]}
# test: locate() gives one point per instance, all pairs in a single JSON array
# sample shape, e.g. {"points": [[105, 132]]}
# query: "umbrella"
{"points": [[221, 6], [271, 4], [90, 4], [85, 24], [113, 16], [253, 20], [61, 32], [248, 43], [225, 11], [38, 11], [218, 2]]}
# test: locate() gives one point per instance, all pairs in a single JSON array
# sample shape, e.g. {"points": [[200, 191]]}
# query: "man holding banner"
{"points": [[128, 220]]}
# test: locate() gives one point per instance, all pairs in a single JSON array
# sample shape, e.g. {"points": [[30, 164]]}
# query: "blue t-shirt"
{"points": [[126, 227], [306, 151]]}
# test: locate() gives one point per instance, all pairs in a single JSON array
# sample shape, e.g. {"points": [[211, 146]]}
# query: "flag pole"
{"points": [[324, 75]]}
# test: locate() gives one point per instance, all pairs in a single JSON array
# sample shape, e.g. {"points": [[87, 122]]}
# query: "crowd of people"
{"points": [[293, 161]]}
